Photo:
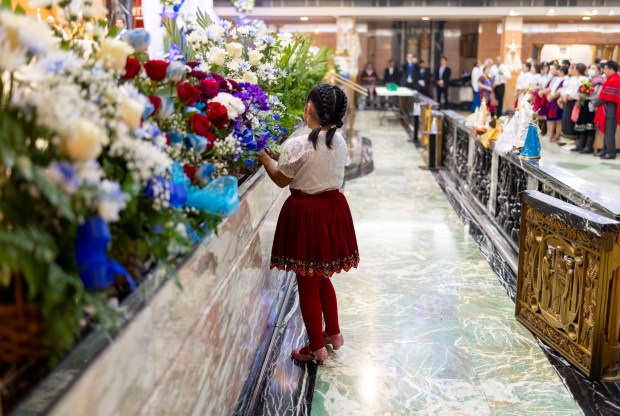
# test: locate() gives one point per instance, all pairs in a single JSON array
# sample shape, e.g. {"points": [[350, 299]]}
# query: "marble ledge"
{"points": [[122, 375], [570, 214]]}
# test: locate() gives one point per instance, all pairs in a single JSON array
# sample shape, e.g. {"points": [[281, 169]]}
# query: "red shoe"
{"points": [[304, 354], [336, 341]]}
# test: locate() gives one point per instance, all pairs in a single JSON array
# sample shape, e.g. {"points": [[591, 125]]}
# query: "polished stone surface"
{"points": [[189, 350], [428, 328], [605, 174]]}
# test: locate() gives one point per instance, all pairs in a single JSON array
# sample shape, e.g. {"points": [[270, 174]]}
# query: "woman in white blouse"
{"points": [[570, 95], [314, 236]]}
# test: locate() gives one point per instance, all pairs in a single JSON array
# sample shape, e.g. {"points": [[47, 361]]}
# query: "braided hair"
{"points": [[330, 104]]}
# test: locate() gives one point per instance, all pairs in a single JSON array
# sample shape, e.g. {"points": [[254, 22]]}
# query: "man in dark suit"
{"points": [[410, 74], [442, 81], [391, 74], [424, 80]]}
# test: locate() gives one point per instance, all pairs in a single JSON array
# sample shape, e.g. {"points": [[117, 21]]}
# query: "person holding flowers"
{"points": [[315, 237], [588, 92]]}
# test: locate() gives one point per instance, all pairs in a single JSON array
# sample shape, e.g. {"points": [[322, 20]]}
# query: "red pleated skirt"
{"points": [[315, 235]]}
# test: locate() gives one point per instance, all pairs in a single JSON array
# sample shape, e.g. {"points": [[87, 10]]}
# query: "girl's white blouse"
{"points": [[314, 171]]}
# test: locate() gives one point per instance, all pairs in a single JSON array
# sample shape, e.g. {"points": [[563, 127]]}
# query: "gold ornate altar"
{"points": [[567, 288]]}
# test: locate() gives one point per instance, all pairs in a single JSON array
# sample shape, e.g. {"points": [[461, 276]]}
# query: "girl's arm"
{"points": [[272, 170]]}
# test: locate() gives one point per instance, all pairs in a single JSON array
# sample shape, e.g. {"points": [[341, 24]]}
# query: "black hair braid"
{"points": [[330, 104]]}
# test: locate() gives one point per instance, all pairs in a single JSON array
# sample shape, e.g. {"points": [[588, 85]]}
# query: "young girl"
{"points": [[314, 236], [554, 112]]}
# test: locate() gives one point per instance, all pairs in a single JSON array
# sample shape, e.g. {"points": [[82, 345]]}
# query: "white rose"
{"points": [[234, 49], [217, 56], [85, 141], [130, 111], [250, 77], [113, 53], [234, 106], [254, 57]]}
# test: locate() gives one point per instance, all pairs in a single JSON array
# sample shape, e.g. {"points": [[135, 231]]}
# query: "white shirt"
{"points": [[476, 73], [559, 89], [524, 80], [314, 171], [555, 84], [499, 74], [571, 87], [536, 81]]}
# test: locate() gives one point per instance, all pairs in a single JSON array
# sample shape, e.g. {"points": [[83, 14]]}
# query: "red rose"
{"points": [[190, 171], [156, 70], [197, 74], [132, 68], [210, 87], [188, 93], [217, 114], [156, 101], [200, 125]]}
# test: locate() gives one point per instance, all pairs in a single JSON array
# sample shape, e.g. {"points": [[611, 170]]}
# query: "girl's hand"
{"points": [[274, 156], [263, 157]]}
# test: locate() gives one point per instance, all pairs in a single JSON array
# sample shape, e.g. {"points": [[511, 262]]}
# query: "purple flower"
{"points": [[254, 98]]}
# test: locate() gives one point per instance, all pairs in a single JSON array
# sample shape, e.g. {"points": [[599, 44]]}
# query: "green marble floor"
{"points": [[428, 328]]}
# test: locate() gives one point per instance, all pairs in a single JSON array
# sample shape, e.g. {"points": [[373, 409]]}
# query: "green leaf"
{"points": [[19, 10], [6, 5], [54, 195]]}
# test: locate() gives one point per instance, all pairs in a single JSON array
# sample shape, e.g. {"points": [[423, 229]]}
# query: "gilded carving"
{"points": [[559, 277], [554, 225]]}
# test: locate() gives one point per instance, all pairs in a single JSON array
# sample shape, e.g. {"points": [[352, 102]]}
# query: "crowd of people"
{"points": [[413, 74], [573, 100]]}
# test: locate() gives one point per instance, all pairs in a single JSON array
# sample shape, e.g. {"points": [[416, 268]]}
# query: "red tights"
{"points": [[317, 300]]}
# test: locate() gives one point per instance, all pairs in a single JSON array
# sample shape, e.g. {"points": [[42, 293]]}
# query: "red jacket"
{"points": [[610, 93]]}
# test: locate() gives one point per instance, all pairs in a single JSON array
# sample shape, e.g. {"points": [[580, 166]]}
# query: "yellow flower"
{"points": [[85, 141], [254, 57], [113, 53], [130, 111], [234, 49]]}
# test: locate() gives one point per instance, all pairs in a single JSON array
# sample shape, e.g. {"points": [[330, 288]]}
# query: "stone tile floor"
{"points": [[428, 328]]}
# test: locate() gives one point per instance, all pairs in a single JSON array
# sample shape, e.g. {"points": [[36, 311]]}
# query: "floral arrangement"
{"points": [[113, 162], [585, 90], [243, 6]]}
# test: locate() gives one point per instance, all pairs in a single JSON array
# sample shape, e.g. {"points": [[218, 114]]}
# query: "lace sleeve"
{"points": [[293, 158]]}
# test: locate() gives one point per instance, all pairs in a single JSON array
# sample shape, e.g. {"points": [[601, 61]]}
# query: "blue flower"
{"points": [[175, 71], [149, 109], [166, 110], [175, 138], [139, 39], [205, 173], [64, 175], [200, 106], [196, 143]]}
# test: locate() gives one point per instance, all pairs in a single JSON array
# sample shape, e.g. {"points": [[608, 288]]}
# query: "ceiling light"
{"points": [[551, 11], [304, 18], [594, 12], [512, 13], [586, 18], [426, 18]]}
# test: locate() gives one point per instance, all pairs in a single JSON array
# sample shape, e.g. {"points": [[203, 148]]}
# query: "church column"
{"points": [[512, 35]]}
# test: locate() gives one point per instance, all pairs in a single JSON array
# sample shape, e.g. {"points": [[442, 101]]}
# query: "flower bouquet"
{"points": [[585, 90]]}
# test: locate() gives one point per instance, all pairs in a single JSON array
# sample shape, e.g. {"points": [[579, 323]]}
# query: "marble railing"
{"points": [[567, 288], [490, 186], [495, 181], [188, 349]]}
